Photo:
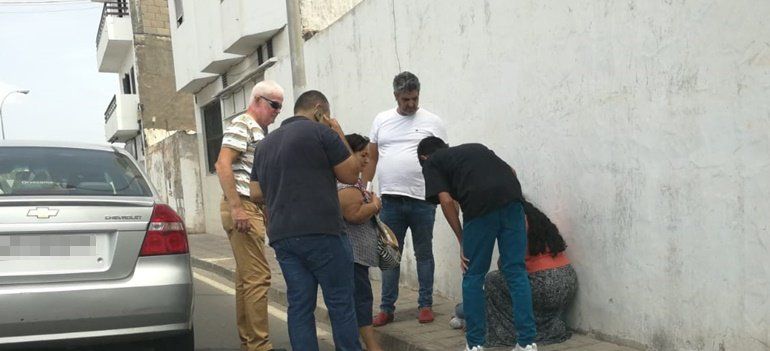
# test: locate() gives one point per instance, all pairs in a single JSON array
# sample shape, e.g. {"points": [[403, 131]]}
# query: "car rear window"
{"points": [[35, 171]]}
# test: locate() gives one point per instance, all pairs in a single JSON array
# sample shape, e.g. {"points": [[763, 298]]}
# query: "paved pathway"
{"points": [[212, 252]]}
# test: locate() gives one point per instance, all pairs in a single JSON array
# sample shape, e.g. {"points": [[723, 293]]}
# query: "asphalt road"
{"points": [[214, 320]]}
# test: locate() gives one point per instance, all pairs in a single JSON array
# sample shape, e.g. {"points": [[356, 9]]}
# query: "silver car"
{"points": [[88, 253]]}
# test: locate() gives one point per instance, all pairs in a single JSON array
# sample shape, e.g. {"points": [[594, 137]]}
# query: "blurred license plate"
{"points": [[41, 246]]}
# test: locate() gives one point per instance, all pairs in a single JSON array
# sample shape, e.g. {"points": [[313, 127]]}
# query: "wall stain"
{"points": [[661, 341]]}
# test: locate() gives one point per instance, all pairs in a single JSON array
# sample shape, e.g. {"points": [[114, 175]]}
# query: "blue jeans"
{"points": [[307, 261], [506, 225], [400, 213]]}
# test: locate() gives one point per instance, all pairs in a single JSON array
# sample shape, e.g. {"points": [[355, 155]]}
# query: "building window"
{"points": [[133, 80], [236, 101], [212, 124], [179, 11], [265, 51], [126, 84], [129, 82]]}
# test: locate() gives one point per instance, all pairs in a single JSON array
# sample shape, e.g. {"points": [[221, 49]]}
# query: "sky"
{"points": [[49, 47]]}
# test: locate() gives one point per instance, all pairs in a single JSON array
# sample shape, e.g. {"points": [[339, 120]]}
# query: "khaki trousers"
{"points": [[252, 277]]}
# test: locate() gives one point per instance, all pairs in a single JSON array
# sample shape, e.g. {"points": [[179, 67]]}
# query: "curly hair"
{"points": [[542, 235]]}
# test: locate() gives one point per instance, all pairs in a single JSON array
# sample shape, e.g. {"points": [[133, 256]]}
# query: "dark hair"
{"points": [[310, 99], [429, 145], [404, 82], [357, 142], [542, 235]]}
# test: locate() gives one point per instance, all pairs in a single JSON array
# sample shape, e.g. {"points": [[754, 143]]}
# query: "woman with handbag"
{"points": [[359, 208]]}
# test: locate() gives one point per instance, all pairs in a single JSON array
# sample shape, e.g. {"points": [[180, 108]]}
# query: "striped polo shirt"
{"points": [[242, 135]]}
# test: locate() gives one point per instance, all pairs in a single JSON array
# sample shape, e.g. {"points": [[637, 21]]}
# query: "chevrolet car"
{"points": [[88, 251]]}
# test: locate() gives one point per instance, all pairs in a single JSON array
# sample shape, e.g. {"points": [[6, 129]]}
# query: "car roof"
{"points": [[62, 144]]}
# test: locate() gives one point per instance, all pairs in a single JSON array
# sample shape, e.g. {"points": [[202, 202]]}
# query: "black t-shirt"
{"points": [[294, 166], [474, 176]]}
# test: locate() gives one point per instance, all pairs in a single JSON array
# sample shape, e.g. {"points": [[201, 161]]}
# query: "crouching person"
{"points": [[490, 197], [553, 280]]}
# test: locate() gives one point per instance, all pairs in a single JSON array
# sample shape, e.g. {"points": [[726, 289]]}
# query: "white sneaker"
{"points": [[456, 323], [475, 348], [530, 347]]}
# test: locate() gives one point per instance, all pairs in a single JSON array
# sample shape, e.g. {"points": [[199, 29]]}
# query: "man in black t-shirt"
{"points": [[295, 173], [490, 198]]}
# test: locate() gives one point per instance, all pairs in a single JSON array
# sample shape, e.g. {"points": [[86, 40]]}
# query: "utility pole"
{"points": [[296, 46]]}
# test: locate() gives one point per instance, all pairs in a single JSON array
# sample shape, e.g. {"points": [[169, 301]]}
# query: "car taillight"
{"points": [[165, 234]]}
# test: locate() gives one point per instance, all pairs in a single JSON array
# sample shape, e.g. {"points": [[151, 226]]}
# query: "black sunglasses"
{"points": [[274, 104]]}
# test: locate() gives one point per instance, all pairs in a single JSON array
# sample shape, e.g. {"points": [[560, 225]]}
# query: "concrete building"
{"points": [[154, 121], [641, 128], [221, 49]]}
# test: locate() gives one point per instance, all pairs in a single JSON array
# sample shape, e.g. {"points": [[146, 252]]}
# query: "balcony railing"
{"points": [[110, 108], [111, 8], [121, 118]]}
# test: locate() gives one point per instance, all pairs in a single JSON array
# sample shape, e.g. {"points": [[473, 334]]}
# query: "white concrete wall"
{"points": [[280, 72], [247, 23], [641, 127], [210, 50], [210, 189], [188, 48], [174, 171], [125, 67], [316, 15]]}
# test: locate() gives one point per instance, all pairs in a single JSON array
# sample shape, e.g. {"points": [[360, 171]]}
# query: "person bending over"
{"points": [[490, 197], [553, 282]]}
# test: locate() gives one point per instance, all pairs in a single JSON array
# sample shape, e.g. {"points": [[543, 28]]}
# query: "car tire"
{"points": [[181, 342]]}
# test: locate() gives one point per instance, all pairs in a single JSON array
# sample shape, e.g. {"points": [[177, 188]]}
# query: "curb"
{"points": [[274, 294], [387, 341], [213, 268]]}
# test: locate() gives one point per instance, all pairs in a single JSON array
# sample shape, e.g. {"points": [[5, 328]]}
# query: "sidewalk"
{"points": [[212, 253]]}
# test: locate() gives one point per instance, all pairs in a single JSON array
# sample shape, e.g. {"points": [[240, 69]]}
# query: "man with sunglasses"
{"points": [[393, 150], [244, 220]]}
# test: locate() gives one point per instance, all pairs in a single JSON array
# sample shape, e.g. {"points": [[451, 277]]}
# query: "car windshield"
{"points": [[34, 171]]}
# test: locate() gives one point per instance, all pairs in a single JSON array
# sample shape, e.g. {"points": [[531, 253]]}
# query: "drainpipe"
{"points": [[296, 43]]}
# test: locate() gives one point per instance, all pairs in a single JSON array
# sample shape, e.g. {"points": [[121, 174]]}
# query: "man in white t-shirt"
{"points": [[394, 138], [244, 220]]}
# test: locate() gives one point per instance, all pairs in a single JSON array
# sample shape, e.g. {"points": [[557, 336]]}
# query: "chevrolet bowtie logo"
{"points": [[43, 212]]}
